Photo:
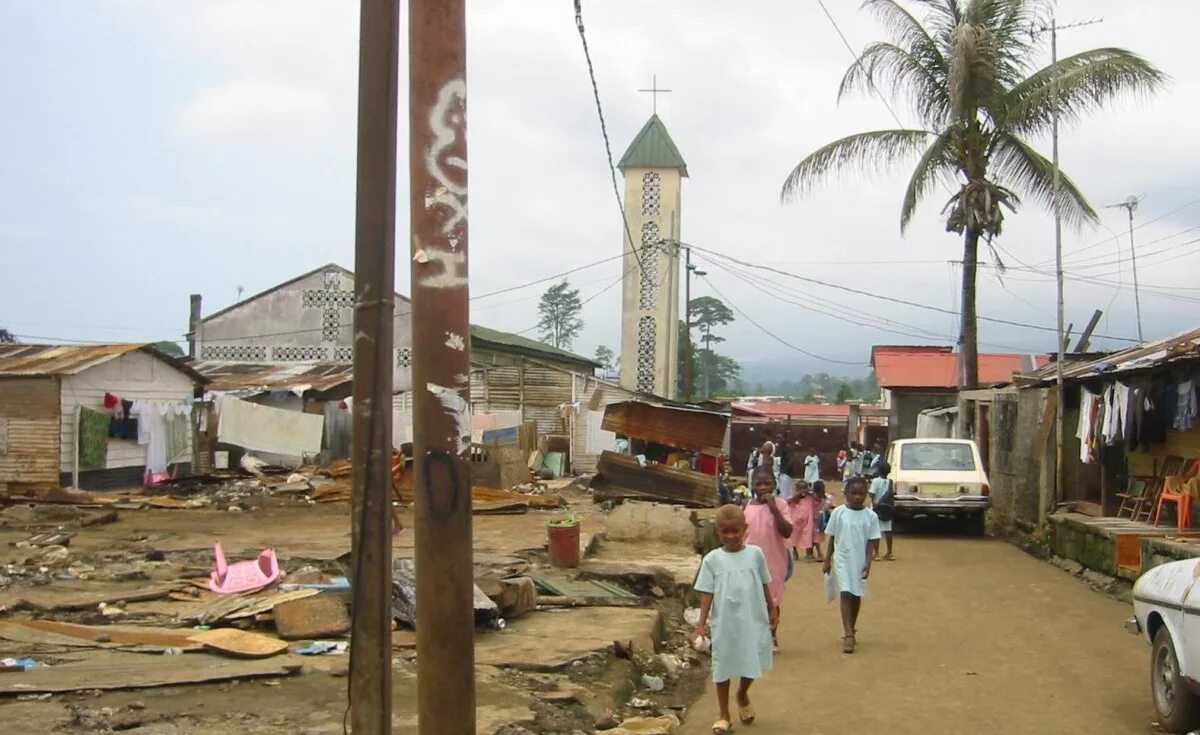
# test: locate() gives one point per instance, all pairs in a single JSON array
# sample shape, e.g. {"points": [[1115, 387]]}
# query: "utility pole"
{"points": [[374, 286], [1058, 266], [688, 270], [1131, 204], [441, 365]]}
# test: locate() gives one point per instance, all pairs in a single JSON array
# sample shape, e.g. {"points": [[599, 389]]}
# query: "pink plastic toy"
{"points": [[242, 576]]}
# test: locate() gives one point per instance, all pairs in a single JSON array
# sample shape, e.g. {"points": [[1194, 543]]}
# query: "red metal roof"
{"points": [[788, 408], [938, 367]]}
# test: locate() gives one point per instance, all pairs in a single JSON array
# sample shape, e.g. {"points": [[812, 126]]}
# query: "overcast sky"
{"points": [[156, 148]]}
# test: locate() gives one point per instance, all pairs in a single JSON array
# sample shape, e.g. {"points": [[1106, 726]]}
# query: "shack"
{"points": [[674, 454], [133, 402]]}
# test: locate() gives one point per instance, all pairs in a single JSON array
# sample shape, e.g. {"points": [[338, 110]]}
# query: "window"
{"points": [[937, 456]]}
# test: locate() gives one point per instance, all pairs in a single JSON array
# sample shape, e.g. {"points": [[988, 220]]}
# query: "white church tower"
{"points": [[654, 172]]}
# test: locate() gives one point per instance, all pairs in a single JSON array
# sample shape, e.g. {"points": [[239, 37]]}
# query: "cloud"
{"points": [[20, 233], [254, 110]]}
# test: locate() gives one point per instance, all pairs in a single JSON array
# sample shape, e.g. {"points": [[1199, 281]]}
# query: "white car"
{"points": [[940, 477], [1166, 607]]}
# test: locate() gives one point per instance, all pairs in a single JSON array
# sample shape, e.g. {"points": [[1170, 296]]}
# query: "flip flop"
{"points": [[722, 727], [746, 714], [848, 643]]}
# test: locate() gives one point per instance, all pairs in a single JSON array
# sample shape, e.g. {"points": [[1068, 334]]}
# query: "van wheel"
{"points": [[1178, 709], [976, 524]]}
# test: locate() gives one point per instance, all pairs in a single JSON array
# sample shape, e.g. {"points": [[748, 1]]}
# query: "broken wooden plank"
{"points": [[116, 634], [622, 476], [557, 601], [239, 642], [108, 671], [51, 602]]}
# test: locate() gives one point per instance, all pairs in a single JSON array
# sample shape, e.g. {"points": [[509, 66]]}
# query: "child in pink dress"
{"points": [[768, 527], [804, 521]]}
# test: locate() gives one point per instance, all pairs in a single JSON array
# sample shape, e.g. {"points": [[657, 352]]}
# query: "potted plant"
{"points": [[563, 537]]}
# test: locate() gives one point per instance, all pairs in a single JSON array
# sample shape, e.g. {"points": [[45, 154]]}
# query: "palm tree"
{"points": [[968, 73]]}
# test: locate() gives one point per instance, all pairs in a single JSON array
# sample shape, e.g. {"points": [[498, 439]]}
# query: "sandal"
{"points": [[722, 727], [746, 714], [848, 644]]}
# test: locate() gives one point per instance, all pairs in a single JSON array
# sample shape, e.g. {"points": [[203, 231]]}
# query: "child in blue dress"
{"points": [[853, 531], [736, 604]]}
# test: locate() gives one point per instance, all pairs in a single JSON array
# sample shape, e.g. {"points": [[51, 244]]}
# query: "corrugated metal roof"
{"points": [[22, 360], [236, 376], [517, 343], [653, 148], [673, 426], [1148, 355], [938, 367]]}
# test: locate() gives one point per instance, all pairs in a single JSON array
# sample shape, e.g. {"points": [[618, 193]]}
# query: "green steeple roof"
{"points": [[653, 148]]}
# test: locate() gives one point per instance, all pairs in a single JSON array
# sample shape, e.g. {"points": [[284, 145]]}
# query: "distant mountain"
{"points": [[791, 369]]}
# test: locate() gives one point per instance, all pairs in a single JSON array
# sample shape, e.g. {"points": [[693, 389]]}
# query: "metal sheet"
{"points": [[683, 428], [24, 360], [235, 376]]}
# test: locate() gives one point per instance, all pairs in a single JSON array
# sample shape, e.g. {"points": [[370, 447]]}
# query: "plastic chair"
{"points": [[1175, 491], [242, 576]]}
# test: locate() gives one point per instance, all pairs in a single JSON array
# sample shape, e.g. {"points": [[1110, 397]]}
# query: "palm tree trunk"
{"points": [[969, 332]]}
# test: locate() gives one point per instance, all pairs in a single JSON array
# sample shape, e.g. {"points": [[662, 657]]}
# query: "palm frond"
{"points": [[907, 31], [893, 70], [1016, 164], [873, 150], [936, 162], [1086, 82]]}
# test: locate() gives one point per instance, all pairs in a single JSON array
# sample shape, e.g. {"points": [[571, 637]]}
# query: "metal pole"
{"points": [[1058, 277], [441, 366], [688, 354], [374, 285], [1137, 298]]}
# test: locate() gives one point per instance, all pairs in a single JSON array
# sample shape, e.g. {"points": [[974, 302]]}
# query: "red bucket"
{"points": [[564, 545]]}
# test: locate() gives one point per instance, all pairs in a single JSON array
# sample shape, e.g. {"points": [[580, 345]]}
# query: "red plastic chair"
{"points": [[1173, 491]]}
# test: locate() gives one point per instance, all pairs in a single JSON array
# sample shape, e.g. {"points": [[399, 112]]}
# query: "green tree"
{"points": [[717, 372], [968, 71], [558, 313], [845, 393], [168, 348], [706, 313], [7, 337], [605, 357]]}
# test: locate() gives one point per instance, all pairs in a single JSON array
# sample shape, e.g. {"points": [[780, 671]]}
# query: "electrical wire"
{"points": [[858, 63], [612, 170], [1147, 223]]}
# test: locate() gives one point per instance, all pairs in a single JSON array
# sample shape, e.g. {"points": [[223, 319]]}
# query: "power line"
{"points": [[772, 334], [1147, 223], [612, 170], [554, 277], [858, 63], [860, 292]]}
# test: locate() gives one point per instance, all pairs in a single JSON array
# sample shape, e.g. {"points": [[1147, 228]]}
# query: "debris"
{"points": [[404, 596], [671, 663], [653, 683], [46, 604], [54, 557], [239, 642], [336, 584], [121, 671], [621, 476], [54, 538], [314, 617], [54, 633], [237, 607], [517, 597], [16, 664], [243, 576], [661, 725], [691, 616], [319, 648]]}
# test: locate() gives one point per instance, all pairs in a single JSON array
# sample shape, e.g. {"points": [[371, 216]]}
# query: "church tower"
{"points": [[654, 172]]}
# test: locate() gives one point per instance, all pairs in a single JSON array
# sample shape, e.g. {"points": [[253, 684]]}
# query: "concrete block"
{"points": [[636, 520], [312, 617], [517, 597]]}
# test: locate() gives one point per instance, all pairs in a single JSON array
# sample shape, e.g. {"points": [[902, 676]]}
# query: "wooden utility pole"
{"points": [[441, 366], [374, 285]]}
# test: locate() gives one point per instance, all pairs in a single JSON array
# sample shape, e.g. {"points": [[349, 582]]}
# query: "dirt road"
{"points": [[959, 636]]}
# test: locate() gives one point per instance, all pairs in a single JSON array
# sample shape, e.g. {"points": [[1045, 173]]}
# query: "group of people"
{"points": [[741, 584]]}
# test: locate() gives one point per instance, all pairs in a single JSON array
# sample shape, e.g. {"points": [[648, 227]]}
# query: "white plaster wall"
{"points": [[132, 376]]}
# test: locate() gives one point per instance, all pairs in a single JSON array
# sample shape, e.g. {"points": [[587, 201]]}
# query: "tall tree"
{"points": [[845, 393], [558, 313], [968, 71], [706, 313], [7, 337], [605, 357], [717, 372]]}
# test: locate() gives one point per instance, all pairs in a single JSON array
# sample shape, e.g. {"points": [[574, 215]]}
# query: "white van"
{"points": [[940, 477]]}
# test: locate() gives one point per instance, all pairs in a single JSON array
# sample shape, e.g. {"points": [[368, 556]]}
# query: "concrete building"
{"points": [[913, 378], [654, 172]]}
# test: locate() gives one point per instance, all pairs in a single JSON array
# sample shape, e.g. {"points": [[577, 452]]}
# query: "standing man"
{"points": [[877, 450]]}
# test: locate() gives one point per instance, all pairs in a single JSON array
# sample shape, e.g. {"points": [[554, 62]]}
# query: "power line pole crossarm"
{"points": [[441, 366]]}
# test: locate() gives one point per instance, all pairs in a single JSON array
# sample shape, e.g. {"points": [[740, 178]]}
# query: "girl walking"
{"points": [[737, 606], [768, 527], [804, 521], [853, 531], [883, 502]]}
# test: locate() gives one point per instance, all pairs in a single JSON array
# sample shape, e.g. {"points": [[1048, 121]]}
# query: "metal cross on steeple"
{"points": [[654, 92]]}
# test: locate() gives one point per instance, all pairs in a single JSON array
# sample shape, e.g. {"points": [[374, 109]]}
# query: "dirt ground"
{"points": [[960, 635], [522, 676]]}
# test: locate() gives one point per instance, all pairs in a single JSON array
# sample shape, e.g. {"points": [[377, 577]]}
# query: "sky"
{"points": [[155, 149]]}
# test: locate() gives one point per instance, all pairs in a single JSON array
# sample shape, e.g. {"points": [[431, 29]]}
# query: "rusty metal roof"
{"points": [[237, 376], [1146, 356], [672, 426], [23, 360]]}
